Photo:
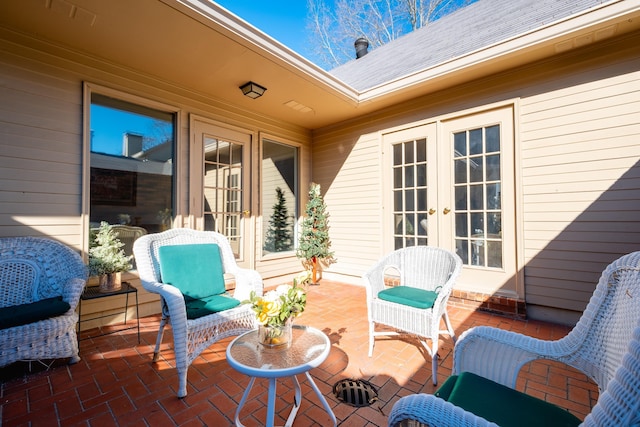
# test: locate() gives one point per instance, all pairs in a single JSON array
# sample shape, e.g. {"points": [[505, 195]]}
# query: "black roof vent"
{"points": [[362, 46]]}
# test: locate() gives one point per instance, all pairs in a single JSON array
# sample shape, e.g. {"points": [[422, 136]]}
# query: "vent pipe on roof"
{"points": [[362, 46]]}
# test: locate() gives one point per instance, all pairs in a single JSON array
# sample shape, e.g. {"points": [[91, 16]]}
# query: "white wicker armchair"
{"points": [[32, 271], [605, 345], [422, 267], [192, 336]]}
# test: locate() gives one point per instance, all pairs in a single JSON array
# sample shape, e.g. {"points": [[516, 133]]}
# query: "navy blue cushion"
{"points": [[502, 405], [23, 314]]}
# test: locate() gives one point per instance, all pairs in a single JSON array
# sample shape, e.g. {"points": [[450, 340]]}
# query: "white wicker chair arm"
{"points": [[498, 355], [433, 411], [72, 291], [374, 278], [246, 281], [173, 299]]}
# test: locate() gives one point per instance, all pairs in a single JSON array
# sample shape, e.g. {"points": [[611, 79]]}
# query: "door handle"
{"points": [[432, 211], [446, 211], [246, 213]]}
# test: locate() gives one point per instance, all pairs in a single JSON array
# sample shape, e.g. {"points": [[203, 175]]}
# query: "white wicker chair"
{"points": [[424, 267], [604, 345], [34, 269], [192, 336]]}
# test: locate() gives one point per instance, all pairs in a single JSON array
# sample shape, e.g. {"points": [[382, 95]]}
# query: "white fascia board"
{"points": [[607, 12]]}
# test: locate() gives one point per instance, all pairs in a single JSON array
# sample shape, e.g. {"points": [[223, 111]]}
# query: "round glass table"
{"points": [[309, 348]]}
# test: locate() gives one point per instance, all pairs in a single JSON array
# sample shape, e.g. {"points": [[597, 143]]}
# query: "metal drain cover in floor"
{"points": [[355, 392]]}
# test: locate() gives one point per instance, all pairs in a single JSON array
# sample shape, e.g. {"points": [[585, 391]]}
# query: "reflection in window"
{"points": [[410, 193], [477, 188], [223, 189], [279, 196], [131, 168]]}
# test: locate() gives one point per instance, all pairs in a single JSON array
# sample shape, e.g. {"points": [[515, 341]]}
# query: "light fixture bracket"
{"points": [[252, 90]]}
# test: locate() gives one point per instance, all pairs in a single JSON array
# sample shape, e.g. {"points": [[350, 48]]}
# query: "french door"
{"points": [[220, 184], [452, 186]]}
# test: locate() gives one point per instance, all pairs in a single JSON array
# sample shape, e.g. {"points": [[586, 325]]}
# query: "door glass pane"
{"points": [[478, 215], [279, 196], [131, 168], [223, 189], [410, 193]]}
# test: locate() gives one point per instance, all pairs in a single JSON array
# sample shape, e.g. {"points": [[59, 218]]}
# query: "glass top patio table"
{"points": [[309, 348]]}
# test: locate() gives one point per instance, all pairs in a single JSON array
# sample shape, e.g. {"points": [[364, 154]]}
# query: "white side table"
{"points": [[310, 347]]}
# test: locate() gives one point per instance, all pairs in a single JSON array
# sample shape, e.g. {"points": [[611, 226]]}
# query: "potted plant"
{"points": [[314, 244], [107, 258]]}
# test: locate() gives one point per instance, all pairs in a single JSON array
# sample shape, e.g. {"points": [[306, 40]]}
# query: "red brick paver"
{"points": [[115, 383]]}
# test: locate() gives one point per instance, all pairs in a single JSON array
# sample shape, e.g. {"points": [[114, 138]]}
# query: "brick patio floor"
{"points": [[115, 383]]}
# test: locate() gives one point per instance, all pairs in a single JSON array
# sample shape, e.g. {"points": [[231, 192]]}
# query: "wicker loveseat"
{"points": [[41, 281]]}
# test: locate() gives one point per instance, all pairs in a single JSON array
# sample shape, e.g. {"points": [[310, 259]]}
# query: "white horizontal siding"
{"points": [[581, 185], [41, 144], [351, 181]]}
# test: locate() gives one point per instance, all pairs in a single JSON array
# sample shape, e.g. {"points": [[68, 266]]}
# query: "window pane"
{"points": [[131, 168], [493, 167], [461, 198], [493, 196], [279, 196], [460, 171], [476, 169], [408, 176], [476, 197], [409, 204], [408, 152], [421, 172], [397, 155], [397, 178], [421, 150], [475, 142], [460, 144], [493, 139]]}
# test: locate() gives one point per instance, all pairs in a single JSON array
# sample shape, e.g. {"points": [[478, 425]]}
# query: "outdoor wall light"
{"points": [[252, 90]]}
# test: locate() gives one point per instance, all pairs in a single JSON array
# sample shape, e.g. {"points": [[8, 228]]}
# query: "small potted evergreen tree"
{"points": [[278, 237], [107, 258], [314, 246]]}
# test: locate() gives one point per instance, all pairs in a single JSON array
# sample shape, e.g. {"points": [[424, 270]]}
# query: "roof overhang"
{"points": [[199, 48]]}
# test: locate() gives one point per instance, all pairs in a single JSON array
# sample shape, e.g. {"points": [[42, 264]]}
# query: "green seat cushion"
{"points": [[195, 269], [414, 297], [201, 307], [502, 405], [23, 314]]}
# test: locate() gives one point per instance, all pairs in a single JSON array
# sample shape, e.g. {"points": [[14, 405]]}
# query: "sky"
{"points": [[284, 20]]}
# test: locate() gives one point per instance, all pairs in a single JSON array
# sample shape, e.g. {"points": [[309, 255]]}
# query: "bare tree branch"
{"points": [[335, 29]]}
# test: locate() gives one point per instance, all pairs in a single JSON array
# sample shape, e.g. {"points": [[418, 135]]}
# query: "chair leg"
{"points": [[371, 338], [156, 352], [182, 382], [434, 359], [447, 323]]}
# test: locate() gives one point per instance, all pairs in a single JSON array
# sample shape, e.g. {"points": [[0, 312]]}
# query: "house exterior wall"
{"points": [[577, 133], [41, 141]]}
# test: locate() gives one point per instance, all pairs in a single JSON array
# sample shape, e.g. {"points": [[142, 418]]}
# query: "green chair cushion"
{"points": [[414, 297], [201, 307], [502, 405], [23, 314], [195, 269]]}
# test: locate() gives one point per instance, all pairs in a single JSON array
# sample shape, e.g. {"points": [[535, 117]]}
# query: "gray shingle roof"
{"points": [[473, 27]]}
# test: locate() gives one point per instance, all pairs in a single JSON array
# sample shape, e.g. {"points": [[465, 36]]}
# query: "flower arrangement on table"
{"points": [[276, 309]]}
